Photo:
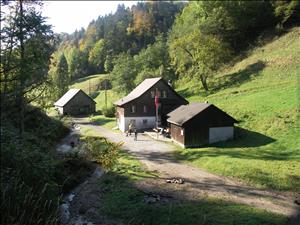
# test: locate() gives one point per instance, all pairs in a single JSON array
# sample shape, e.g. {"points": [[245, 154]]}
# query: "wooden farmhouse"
{"points": [[200, 123], [139, 108], [75, 102]]}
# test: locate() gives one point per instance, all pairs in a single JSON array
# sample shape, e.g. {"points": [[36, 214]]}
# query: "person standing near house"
{"points": [[130, 129], [135, 134]]}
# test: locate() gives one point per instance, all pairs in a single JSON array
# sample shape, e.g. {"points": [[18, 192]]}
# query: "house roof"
{"points": [[68, 96], [184, 113], [138, 91]]}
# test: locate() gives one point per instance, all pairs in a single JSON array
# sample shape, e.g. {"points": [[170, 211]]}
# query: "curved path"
{"points": [[157, 156]]}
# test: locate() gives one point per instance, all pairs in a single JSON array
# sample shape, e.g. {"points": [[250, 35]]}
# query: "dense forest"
{"points": [[171, 39]]}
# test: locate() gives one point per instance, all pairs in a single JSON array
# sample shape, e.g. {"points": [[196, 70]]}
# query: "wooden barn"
{"points": [[75, 102], [200, 123], [138, 107]]}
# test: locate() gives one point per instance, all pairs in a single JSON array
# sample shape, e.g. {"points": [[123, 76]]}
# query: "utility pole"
{"points": [[156, 102], [105, 88], [89, 87]]}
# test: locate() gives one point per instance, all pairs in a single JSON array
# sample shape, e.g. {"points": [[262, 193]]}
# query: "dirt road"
{"points": [[157, 156]]}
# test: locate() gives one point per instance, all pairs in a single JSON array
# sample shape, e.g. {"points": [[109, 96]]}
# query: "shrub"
{"points": [[109, 111], [103, 152]]}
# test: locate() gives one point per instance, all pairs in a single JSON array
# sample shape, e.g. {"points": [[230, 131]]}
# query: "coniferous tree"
{"points": [[61, 76]]}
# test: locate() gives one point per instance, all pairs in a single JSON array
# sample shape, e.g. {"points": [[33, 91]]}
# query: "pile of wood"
{"points": [[152, 198], [175, 181]]}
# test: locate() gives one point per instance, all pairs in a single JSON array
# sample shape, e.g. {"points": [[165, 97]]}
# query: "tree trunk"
{"points": [[22, 75], [204, 83]]}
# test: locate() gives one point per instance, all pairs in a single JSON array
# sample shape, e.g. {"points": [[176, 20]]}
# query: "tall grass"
{"points": [[25, 205], [30, 193]]}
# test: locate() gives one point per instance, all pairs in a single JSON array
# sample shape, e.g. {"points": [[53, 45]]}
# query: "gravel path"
{"points": [[157, 156]]}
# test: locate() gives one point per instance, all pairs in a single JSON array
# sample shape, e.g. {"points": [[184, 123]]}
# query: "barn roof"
{"points": [[138, 91], [68, 96], [184, 113]]}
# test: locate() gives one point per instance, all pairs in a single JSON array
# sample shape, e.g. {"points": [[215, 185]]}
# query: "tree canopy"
{"points": [[172, 39]]}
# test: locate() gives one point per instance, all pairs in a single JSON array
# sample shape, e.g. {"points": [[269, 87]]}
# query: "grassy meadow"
{"points": [[90, 85], [262, 93]]}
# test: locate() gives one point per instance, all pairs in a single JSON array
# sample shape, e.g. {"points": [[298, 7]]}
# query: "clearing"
{"points": [[199, 184]]}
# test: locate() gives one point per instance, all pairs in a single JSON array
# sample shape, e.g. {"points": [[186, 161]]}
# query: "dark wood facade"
{"points": [[79, 104], [144, 105], [196, 131], [168, 103]]}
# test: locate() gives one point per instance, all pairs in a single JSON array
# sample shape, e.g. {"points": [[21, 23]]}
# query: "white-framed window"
{"points": [[133, 109], [164, 94], [145, 109], [181, 132], [152, 94]]}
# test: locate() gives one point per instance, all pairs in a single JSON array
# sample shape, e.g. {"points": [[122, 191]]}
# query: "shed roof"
{"points": [[184, 113], [138, 91], [68, 96]]}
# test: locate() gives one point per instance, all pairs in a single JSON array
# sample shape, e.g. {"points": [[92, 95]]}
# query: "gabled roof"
{"points": [[68, 96], [138, 91], [184, 113]]}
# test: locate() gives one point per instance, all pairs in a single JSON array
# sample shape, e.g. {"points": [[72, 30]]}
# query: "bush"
{"points": [[109, 112], [103, 152]]}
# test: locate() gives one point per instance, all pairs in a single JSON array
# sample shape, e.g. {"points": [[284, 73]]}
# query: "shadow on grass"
{"points": [[188, 92], [122, 200], [245, 139], [245, 145], [228, 81], [101, 120], [238, 78]]}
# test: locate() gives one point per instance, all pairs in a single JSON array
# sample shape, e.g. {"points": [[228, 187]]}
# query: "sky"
{"points": [[67, 16]]}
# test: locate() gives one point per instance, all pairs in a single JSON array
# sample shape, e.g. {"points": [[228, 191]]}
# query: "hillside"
{"points": [[91, 85], [262, 93]]}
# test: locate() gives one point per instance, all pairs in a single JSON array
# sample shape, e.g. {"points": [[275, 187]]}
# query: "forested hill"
{"points": [[91, 50], [169, 39]]}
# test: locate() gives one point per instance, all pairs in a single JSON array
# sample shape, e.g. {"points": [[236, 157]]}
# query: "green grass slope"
{"points": [[262, 92], [90, 85]]}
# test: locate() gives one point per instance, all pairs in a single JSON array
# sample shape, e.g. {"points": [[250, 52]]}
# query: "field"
{"points": [[262, 93]]}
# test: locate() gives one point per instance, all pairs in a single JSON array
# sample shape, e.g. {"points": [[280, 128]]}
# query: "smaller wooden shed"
{"points": [[197, 124], [75, 102]]}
